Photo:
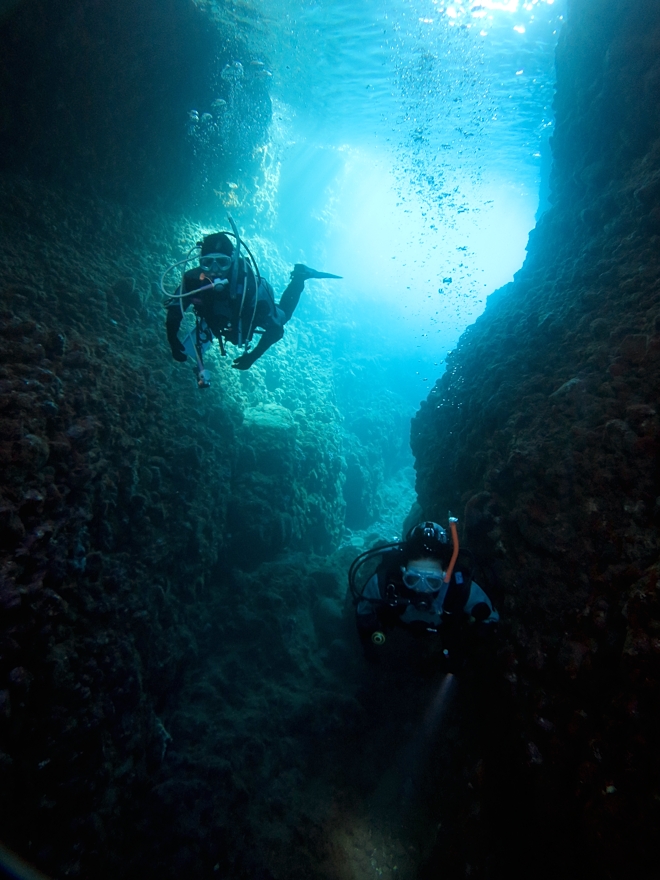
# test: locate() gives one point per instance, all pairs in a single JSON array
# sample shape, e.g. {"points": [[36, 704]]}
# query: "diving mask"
{"points": [[215, 264], [422, 581]]}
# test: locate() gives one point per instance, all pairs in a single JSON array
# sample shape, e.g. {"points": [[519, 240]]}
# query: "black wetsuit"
{"points": [[223, 315], [386, 603]]}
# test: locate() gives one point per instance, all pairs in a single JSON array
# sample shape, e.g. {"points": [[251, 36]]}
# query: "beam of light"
{"points": [[422, 275], [418, 753], [379, 832], [434, 713], [417, 265]]}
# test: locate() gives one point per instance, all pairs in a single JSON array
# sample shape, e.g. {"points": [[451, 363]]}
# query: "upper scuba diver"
{"points": [[231, 301], [423, 584]]}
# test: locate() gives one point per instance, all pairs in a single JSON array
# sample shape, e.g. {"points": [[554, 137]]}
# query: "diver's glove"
{"points": [[178, 352], [245, 361]]}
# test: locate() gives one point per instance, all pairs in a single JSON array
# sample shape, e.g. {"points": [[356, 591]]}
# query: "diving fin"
{"points": [[304, 272]]}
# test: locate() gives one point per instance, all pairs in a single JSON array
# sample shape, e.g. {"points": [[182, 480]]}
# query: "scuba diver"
{"points": [[231, 302], [423, 585]]}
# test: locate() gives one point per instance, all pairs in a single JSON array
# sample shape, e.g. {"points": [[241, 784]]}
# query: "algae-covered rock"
{"points": [[544, 431], [269, 416]]}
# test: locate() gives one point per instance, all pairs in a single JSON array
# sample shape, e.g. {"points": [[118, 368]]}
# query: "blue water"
{"points": [[406, 151]]}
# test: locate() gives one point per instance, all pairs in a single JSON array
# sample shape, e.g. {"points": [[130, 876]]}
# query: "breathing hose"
{"points": [[183, 263]]}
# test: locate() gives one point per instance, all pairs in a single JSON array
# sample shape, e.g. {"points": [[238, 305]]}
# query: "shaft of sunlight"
{"points": [[416, 273]]}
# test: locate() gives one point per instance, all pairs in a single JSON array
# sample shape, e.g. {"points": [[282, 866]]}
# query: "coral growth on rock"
{"points": [[545, 431], [130, 503], [181, 694]]}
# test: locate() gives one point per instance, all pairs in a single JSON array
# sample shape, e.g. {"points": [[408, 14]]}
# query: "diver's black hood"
{"points": [[217, 243]]}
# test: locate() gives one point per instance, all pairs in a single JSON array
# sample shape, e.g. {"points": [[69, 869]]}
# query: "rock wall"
{"points": [[543, 436], [98, 97], [127, 499], [172, 648]]}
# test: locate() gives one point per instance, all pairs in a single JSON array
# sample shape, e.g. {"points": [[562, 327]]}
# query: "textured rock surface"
{"points": [[129, 501], [545, 432], [177, 699], [173, 667], [98, 97]]}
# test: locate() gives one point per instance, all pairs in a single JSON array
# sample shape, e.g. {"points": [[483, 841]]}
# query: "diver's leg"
{"points": [[271, 335], [291, 296]]}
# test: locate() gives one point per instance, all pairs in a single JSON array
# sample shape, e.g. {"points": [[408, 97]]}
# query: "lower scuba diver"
{"points": [[231, 302], [424, 585]]}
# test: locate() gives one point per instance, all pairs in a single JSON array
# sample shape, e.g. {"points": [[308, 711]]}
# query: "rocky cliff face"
{"points": [[174, 663], [96, 97], [160, 670], [167, 683], [127, 497], [544, 434]]}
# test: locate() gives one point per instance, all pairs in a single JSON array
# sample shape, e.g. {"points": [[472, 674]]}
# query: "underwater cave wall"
{"points": [[96, 97], [108, 534], [127, 496], [140, 519], [543, 435]]}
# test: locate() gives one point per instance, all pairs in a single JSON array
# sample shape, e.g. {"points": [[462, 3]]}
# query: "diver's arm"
{"points": [[173, 322], [269, 337], [270, 318]]}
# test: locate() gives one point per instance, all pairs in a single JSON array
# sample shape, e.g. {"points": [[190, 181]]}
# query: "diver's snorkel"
{"points": [[454, 537]]}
